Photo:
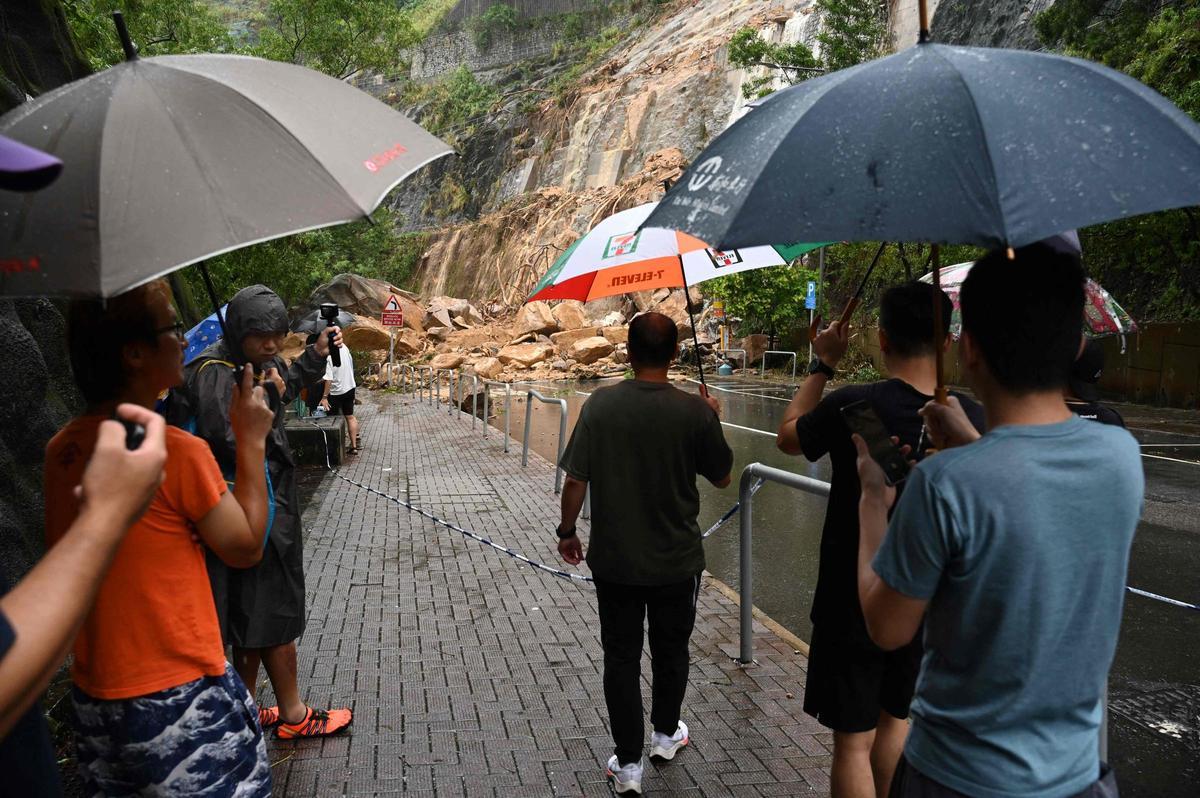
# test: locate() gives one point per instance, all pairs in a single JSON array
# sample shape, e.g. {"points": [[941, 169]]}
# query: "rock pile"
{"points": [[536, 341]]}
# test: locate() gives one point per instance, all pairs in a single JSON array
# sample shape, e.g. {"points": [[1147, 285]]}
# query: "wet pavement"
{"points": [[1154, 685]]}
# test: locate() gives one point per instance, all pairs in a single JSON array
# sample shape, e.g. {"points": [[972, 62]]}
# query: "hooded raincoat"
{"points": [[261, 606]]}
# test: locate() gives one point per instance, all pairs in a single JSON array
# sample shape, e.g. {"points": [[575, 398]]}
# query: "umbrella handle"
{"points": [[851, 306], [814, 327], [939, 392]]}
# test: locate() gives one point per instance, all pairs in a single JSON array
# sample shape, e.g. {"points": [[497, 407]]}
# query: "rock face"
{"points": [[367, 334], [364, 297], [535, 317], [999, 23], [408, 343], [449, 360], [438, 333], [469, 339], [569, 315], [589, 350], [525, 355]]}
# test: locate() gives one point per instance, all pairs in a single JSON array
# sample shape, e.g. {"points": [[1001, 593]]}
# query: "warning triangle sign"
{"points": [[392, 303]]}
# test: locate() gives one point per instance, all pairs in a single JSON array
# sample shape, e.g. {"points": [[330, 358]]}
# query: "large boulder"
{"points": [[525, 355], [535, 317], [469, 339], [449, 360], [569, 315], [589, 350], [293, 346], [366, 334], [488, 368], [408, 343], [563, 340], [364, 297], [616, 334], [755, 345], [443, 310], [438, 333], [601, 311]]}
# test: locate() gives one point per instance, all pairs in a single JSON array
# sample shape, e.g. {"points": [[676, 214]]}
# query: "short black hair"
{"points": [[652, 339], [1026, 316], [97, 332], [906, 316]]}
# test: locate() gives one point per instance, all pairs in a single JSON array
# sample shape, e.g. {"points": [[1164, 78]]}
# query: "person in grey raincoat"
{"points": [[261, 609]]}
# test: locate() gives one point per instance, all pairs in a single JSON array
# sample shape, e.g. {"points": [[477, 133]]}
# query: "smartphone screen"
{"points": [[862, 418]]}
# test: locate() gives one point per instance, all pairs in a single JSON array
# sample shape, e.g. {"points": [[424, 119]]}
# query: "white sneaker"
{"points": [[665, 747], [625, 778]]}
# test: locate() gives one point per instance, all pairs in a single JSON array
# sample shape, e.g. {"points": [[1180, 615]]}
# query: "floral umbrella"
{"points": [[1102, 314]]}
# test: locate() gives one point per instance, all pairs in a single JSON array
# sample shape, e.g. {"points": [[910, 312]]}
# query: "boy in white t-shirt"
{"points": [[339, 394]]}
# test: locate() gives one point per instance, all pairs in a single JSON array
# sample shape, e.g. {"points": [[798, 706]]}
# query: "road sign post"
{"points": [[392, 317]]}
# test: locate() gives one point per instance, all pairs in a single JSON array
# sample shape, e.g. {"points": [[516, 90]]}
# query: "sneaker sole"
{"points": [[668, 753], [624, 786]]}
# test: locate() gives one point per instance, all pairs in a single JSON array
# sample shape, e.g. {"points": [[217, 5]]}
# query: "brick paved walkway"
{"points": [[471, 674]]}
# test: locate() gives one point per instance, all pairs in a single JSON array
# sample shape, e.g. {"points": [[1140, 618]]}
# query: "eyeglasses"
{"points": [[176, 329]]}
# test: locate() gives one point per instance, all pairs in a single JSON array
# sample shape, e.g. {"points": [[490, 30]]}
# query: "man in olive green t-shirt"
{"points": [[640, 445]]}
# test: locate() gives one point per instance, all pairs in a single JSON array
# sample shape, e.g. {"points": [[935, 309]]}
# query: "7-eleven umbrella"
{"points": [[615, 257], [1102, 315]]}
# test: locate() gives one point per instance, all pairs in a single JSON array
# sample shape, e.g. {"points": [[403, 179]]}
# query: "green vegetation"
{"points": [[158, 27], [295, 265], [453, 107], [338, 37], [1151, 264], [852, 32], [425, 15], [766, 300], [499, 18]]}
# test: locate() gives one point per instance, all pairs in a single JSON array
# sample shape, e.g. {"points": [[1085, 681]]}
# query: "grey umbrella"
{"points": [[936, 143], [173, 159]]}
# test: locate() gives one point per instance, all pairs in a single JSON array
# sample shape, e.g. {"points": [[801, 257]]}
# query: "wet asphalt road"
{"points": [[1154, 686]]}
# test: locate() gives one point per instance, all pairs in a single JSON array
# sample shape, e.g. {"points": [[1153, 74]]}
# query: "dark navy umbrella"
{"points": [[964, 145], [202, 336]]}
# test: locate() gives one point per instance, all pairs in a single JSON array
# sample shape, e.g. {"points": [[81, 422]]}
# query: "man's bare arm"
{"points": [[892, 617], [47, 607], [829, 346]]}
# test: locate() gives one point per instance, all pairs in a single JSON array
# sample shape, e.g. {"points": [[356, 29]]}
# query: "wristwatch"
{"points": [[570, 533], [817, 367]]}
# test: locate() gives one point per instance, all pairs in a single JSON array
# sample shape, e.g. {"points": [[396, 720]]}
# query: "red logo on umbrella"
{"points": [[377, 162]]}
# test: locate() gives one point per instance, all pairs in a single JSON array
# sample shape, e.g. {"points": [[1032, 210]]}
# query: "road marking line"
{"points": [[1171, 459]]}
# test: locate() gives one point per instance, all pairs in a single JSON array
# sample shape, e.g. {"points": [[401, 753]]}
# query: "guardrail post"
{"points": [[475, 400], [562, 442], [487, 392], [528, 421], [745, 565], [437, 378], [507, 414]]}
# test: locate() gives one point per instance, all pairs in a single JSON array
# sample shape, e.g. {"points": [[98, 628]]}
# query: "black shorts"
{"points": [[849, 683], [343, 403]]}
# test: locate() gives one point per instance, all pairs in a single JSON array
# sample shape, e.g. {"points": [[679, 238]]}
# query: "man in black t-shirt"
{"points": [[640, 445], [853, 687], [1081, 395]]}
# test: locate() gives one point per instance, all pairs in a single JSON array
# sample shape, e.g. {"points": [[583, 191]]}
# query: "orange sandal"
{"points": [[316, 723], [268, 717]]}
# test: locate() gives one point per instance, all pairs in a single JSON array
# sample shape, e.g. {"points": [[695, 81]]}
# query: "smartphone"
{"points": [[861, 418]]}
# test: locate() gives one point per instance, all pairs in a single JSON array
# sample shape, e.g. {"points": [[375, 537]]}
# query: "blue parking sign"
{"points": [[810, 300]]}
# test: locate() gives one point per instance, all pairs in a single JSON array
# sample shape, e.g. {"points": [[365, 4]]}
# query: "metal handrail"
{"points": [[746, 523], [562, 432], [763, 373], [745, 361], [507, 408]]}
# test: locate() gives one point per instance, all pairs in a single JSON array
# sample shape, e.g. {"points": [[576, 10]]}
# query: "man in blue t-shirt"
{"points": [[1001, 544]]}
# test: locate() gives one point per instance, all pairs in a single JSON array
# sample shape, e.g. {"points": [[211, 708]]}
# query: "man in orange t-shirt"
{"points": [[150, 670]]}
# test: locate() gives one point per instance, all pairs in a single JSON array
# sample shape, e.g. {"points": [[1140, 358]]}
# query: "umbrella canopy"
{"points": [[936, 143], [314, 322], [202, 336], [173, 159], [1102, 314], [615, 257]]}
